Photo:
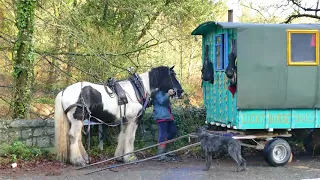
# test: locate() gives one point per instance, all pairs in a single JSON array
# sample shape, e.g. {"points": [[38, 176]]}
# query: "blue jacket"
{"points": [[161, 106]]}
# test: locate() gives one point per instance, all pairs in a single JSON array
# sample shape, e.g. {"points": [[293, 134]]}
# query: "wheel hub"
{"points": [[279, 153]]}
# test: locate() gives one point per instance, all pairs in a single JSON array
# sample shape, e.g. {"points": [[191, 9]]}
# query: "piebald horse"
{"points": [[82, 100]]}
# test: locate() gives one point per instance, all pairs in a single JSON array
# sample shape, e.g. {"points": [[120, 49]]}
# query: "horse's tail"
{"points": [[61, 130]]}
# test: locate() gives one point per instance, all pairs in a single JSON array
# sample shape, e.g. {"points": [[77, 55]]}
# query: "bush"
{"points": [[187, 119], [19, 151]]}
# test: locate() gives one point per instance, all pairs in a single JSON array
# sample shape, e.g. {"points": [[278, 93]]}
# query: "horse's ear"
{"points": [[172, 67]]}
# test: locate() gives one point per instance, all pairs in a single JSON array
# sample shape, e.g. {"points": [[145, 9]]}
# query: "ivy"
{"points": [[23, 57]]}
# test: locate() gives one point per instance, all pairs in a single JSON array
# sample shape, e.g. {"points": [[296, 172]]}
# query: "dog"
{"points": [[214, 143]]}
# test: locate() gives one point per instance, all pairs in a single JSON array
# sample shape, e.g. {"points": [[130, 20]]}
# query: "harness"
{"points": [[114, 90], [117, 92]]}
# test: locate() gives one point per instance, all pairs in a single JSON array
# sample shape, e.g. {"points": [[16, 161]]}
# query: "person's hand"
{"points": [[171, 92]]}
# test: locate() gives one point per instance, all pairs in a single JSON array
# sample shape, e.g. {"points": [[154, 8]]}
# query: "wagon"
{"points": [[271, 89]]}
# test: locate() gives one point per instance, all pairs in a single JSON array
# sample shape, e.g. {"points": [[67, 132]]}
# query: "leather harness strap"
{"points": [[72, 106]]}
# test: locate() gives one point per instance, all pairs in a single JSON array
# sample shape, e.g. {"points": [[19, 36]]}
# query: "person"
{"points": [[163, 116]]}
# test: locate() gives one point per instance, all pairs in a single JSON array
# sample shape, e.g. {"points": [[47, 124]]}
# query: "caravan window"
{"points": [[303, 47], [220, 51]]}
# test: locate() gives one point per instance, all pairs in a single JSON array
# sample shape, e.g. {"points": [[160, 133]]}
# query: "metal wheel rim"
{"points": [[279, 153]]}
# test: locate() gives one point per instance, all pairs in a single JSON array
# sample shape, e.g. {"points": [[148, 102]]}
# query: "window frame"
{"points": [[223, 51], [296, 31]]}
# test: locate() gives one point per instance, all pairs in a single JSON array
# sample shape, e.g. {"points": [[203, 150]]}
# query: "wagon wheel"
{"points": [[265, 150], [277, 152]]}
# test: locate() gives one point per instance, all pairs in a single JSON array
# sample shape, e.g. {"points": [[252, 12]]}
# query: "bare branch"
{"points": [[250, 7], [8, 39], [304, 8], [317, 8], [295, 16], [151, 21]]}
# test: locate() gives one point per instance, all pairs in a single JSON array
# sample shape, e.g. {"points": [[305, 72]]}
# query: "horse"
{"points": [[83, 100]]}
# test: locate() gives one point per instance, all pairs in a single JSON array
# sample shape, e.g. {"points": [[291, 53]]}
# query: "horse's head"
{"points": [[164, 78]]}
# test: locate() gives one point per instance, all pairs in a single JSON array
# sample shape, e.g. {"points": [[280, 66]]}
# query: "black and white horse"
{"points": [[84, 99]]}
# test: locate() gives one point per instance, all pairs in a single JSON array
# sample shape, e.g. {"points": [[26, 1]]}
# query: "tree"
{"points": [[23, 60], [302, 9], [260, 12]]}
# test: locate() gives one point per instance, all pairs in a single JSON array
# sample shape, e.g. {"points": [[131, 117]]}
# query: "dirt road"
{"points": [[303, 167]]}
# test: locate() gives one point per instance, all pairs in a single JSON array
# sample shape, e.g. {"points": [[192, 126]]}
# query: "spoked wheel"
{"points": [[277, 152]]}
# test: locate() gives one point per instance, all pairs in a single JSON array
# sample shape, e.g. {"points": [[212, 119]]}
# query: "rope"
{"points": [[148, 147], [142, 160]]}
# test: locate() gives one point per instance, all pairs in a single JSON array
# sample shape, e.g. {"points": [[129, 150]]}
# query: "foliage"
{"points": [[187, 119], [19, 151], [77, 40], [23, 59]]}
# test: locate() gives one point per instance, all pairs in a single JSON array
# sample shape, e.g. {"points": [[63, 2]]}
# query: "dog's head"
{"points": [[201, 131]]}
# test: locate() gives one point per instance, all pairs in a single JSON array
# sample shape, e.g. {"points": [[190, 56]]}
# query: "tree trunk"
{"points": [[52, 77], [191, 61], [23, 60], [71, 48]]}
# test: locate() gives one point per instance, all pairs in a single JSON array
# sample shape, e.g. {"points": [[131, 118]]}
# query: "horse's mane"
{"points": [[157, 76]]}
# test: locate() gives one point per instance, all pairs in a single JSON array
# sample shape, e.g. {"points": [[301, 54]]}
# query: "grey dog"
{"points": [[214, 143]]}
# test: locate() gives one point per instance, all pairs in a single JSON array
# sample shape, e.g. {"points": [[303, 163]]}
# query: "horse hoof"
{"points": [[205, 169], [78, 161], [119, 160], [130, 159], [85, 157], [133, 158]]}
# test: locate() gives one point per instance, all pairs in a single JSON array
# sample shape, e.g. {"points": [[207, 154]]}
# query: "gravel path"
{"points": [[302, 167]]}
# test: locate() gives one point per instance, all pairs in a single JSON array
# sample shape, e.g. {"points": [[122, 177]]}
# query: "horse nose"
{"points": [[181, 93]]}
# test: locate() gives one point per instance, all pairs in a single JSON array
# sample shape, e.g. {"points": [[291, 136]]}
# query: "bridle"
{"points": [[175, 90]]}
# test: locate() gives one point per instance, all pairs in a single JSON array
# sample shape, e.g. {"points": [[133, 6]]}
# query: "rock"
{"points": [[50, 123], [27, 123], [39, 132], [52, 141], [4, 137], [25, 134], [29, 142], [37, 123], [14, 134], [43, 141], [49, 131]]}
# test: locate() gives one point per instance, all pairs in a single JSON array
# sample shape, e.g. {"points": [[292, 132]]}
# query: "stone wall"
{"points": [[34, 132]]}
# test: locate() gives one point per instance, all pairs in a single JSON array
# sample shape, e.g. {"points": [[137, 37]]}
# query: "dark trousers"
{"points": [[167, 131]]}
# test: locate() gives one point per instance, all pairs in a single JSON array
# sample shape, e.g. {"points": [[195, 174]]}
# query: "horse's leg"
{"points": [[83, 150], [75, 135], [129, 141], [120, 146]]}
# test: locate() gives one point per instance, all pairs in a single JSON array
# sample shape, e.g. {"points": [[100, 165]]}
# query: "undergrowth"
{"points": [[187, 119], [17, 150]]}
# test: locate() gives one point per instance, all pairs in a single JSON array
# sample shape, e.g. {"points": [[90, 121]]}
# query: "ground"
{"points": [[302, 167]]}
